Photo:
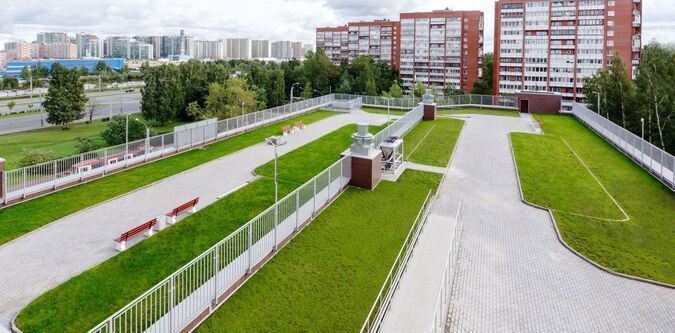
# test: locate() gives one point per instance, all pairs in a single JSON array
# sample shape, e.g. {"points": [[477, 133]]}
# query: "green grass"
{"points": [[327, 278], [16, 114], [394, 112], [432, 142], [28, 216], [76, 305], [61, 142], [642, 246], [490, 112]]}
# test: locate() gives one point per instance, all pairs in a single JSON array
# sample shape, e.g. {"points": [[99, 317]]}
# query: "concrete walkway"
{"points": [[47, 257], [513, 275]]}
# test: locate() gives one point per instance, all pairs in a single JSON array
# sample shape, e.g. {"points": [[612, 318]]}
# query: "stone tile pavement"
{"points": [[513, 275], [45, 258]]}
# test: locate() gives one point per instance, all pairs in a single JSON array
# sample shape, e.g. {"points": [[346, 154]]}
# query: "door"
{"points": [[524, 106]]}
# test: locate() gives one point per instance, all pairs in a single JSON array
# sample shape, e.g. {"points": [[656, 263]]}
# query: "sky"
{"points": [[257, 19]]}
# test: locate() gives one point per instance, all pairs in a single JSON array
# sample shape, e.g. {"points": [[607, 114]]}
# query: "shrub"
{"points": [[35, 156], [114, 133], [85, 145]]}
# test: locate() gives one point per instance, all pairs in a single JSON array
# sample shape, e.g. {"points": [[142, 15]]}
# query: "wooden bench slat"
{"points": [[137, 230], [183, 207]]}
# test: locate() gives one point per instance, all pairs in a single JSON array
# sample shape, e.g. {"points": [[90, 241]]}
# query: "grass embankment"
{"points": [[393, 112], [327, 278], [489, 112], [432, 142], [642, 246], [28, 216], [62, 142], [91, 297]]}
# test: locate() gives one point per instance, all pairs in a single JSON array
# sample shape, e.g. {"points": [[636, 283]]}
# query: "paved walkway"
{"points": [[513, 275], [50, 256]]}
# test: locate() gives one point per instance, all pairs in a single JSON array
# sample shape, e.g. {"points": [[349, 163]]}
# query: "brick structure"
{"points": [[441, 48], [366, 160], [539, 102], [552, 45], [429, 106]]}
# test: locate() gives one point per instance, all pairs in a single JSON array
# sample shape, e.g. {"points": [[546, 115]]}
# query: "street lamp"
{"points": [[293, 87], [147, 136], [642, 120], [121, 105], [276, 142]]}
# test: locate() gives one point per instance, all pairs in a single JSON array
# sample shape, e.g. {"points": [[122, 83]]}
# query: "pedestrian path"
{"points": [[512, 273], [47, 257]]}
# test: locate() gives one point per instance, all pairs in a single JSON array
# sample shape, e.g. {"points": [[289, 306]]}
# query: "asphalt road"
{"points": [[106, 105]]}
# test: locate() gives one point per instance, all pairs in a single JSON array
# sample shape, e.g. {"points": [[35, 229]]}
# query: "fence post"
{"points": [[171, 302], [276, 224], [297, 210], [3, 181], [23, 184], [162, 153], [250, 248], [329, 181], [55, 175], [81, 173], [314, 198], [215, 276]]}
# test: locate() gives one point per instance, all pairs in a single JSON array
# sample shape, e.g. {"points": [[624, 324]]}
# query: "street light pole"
{"points": [[126, 136], [642, 120], [121, 105], [293, 87], [276, 142], [147, 136]]}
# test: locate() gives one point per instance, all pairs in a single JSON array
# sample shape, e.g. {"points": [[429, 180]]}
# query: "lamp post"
{"points": [[642, 120], [121, 105], [147, 136], [126, 135], [293, 87], [642, 143], [276, 143]]}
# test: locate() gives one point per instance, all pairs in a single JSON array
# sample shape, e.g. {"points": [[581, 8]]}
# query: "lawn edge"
{"points": [[564, 243], [132, 191]]}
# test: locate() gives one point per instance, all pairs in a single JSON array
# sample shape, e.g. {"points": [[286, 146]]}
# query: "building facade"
{"points": [[297, 51], [261, 49], [18, 50], [209, 49], [441, 49], [14, 67], [282, 49], [238, 48], [52, 37], [88, 46], [335, 43], [55, 51], [553, 45]]}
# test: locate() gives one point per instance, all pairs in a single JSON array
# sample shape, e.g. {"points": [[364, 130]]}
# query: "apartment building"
{"points": [[440, 49], [335, 42], [56, 51], [552, 45], [88, 46], [209, 49], [297, 50], [261, 49], [52, 37], [238, 48], [18, 50]]}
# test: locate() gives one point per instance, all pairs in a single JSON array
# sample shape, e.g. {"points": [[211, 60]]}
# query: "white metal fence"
{"points": [[379, 101], [383, 300], [200, 285], [506, 102], [653, 159], [401, 126], [43, 177], [440, 317]]}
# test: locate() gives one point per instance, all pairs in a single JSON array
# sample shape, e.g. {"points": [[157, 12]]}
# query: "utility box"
{"points": [[366, 160], [539, 102]]}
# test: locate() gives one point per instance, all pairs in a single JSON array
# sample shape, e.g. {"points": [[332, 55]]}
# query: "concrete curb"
{"points": [[562, 241]]}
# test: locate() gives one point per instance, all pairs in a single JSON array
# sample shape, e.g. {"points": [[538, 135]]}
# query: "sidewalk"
{"points": [[47, 257]]}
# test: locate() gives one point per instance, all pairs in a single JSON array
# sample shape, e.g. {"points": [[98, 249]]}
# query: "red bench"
{"points": [[286, 130], [190, 205], [299, 125], [147, 227]]}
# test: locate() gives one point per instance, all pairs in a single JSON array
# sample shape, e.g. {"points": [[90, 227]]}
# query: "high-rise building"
{"points": [[117, 47], [441, 49], [88, 46], [335, 42], [140, 51], [296, 48], [378, 39], [3, 59], [209, 49], [56, 51], [155, 41], [552, 45], [282, 49], [306, 48], [261, 49], [238, 48], [18, 50], [52, 37]]}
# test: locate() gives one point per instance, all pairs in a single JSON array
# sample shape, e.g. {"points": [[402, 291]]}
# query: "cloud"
{"points": [[268, 19]]}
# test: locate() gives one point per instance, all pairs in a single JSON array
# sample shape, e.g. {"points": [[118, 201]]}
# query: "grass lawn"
{"points": [[432, 142], [28, 216], [17, 114], [61, 142], [89, 298], [327, 278], [642, 246], [490, 112], [394, 112]]}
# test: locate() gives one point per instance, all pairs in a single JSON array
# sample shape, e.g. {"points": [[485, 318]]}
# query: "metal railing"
{"points": [[383, 300], [204, 282], [401, 126], [438, 323], [68, 171], [379, 101], [507, 102], [653, 159]]}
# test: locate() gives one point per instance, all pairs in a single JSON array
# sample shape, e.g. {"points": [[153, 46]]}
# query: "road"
{"points": [[107, 103]]}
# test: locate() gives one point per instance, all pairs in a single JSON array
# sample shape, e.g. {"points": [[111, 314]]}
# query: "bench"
{"points": [[286, 130], [188, 206], [145, 227], [299, 125]]}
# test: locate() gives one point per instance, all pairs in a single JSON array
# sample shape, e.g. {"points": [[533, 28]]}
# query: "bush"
{"points": [[35, 156], [85, 145], [114, 133]]}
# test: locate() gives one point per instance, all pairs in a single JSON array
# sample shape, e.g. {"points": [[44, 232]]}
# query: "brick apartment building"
{"points": [[552, 45], [441, 48]]}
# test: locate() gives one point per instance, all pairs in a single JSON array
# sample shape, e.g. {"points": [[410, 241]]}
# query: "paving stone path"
{"points": [[47, 257], [513, 275]]}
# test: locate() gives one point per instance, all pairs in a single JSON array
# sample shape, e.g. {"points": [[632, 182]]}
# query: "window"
{"points": [[610, 43], [610, 13], [610, 23], [610, 33]]}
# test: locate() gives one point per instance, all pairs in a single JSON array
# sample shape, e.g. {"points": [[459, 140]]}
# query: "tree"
{"points": [[85, 145], [483, 86], [656, 93], [162, 96], [345, 86], [395, 90], [65, 100], [307, 92], [320, 71], [92, 108], [216, 102], [419, 89], [11, 105], [10, 82], [615, 89], [32, 156], [197, 112], [102, 68], [363, 71], [371, 87], [115, 131]]}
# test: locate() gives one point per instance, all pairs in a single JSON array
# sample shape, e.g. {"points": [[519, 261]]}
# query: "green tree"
{"points": [[616, 90], [307, 92], [656, 93], [483, 86], [363, 71], [419, 89], [65, 100], [217, 101], [10, 82], [197, 112], [277, 95], [115, 131], [371, 87], [32, 156], [102, 68], [11, 105], [395, 90], [85, 145], [320, 71]]}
